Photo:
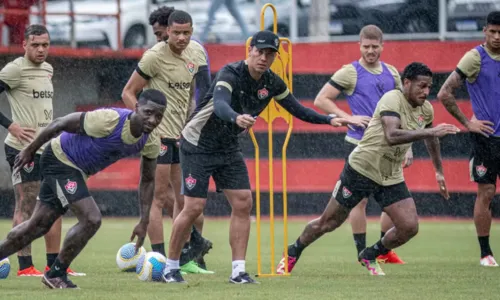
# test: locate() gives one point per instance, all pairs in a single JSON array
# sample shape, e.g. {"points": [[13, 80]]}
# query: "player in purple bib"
{"points": [[479, 68], [82, 144]]}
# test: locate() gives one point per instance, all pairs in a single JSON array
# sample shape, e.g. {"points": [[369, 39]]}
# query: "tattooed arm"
{"points": [[447, 97]]}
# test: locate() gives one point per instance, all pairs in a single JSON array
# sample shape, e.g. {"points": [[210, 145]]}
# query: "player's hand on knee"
{"points": [[23, 158], [140, 230], [444, 129], [479, 126], [23, 134], [245, 121]]}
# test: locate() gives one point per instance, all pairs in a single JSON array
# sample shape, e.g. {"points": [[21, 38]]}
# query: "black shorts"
{"points": [[169, 152], [61, 184], [485, 159], [228, 170], [28, 173], [352, 187], [348, 148]]}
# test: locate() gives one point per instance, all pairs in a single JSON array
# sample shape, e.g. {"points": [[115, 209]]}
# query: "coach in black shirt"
{"points": [[209, 146]]}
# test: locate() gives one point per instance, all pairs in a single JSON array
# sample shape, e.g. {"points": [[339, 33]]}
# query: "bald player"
{"points": [[27, 82], [172, 66], [363, 82]]}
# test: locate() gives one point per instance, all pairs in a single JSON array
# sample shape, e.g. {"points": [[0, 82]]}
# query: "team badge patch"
{"points": [[190, 182], [346, 193], [190, 67], [163, 149], [481, 170], [29, 167], [262, 93], [71, 187], [420, 120]]}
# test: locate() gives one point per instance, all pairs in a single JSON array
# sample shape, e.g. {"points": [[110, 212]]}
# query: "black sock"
{"points": [[186, 255], [51, 258], [58, 269], [160, 248], [372, 252], [296, 249], [382, 234], [25, 262], [360, 241], [484, 243], [195, 236]]}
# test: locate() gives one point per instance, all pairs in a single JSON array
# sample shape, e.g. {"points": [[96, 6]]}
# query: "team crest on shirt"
{"points": [[262, 93], [420, 120], [481, 170], [29, 167], [346, 193], [163, 149], [71, 187], [190, 67], [190, 182]]}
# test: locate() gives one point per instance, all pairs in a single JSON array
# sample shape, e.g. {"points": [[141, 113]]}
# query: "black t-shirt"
{"points": [[207, 131]]}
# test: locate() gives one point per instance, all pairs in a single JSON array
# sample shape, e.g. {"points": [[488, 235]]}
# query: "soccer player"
{"points": [[83, 144], [209, 147], [374, 167], [27, 82], [480, 69], [363, 82], [172, 67]]}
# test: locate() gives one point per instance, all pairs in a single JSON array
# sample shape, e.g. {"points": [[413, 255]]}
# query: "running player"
{"points": [[363, 82], [83, 144], [27, 82], [374, 167], [209, 147], [480, 69], [172, 67]]}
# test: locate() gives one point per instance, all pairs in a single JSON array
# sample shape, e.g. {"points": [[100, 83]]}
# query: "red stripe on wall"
{"points": [[327, 57], [303, 176], [279, 125]]}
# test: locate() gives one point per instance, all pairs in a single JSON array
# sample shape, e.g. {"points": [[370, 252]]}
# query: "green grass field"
{"points": [[442, 263]]}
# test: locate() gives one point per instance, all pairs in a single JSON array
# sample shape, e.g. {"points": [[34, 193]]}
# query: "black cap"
{"points": [[265, 39]]}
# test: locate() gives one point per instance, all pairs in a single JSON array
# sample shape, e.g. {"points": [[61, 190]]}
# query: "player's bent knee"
{"points": [[193, 207], [94, 221], [409, 229], [486, 192], [242, 203]]}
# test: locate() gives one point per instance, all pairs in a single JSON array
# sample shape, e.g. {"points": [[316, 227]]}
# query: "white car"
{"points": [[101, 31]]}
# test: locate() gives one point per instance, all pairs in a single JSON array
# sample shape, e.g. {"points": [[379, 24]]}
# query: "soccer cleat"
{"points": [[201, 249], [193, 268], [29, 272], [488, 261], [372, 266], [370, 263], [242, 278], [291, 263], [69, 271], [59, 282], [390, 258], [173, 276]]}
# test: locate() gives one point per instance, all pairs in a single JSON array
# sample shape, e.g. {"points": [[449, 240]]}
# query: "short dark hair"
{"points": [[35, 29], [493, 18], [152, 95], [161, 15], [180, 17], [371, 32], [415, 69]]}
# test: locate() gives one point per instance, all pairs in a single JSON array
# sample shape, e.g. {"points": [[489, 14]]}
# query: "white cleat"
{"points": [[488, 261]]}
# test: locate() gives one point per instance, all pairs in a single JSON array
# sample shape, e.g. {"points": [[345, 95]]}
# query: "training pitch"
{"points": [[442, 263]]}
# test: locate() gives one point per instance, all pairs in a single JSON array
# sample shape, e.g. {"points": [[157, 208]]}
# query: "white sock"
{"points": [[238, 266], [171, 265]]}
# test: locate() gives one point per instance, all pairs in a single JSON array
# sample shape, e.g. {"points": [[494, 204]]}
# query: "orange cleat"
{"points": [[29, 272], [390, 258], [69, 271]]}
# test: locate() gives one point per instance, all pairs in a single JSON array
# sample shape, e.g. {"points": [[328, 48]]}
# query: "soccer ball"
{"points": [[127, 259], [4, 268], [151, 266]]}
